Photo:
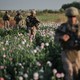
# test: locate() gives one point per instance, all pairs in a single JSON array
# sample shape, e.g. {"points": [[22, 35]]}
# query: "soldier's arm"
{"points": [[9, 16], [79, 36], [79, 32], [15, 18], [61, 35], [28, 22], [37, 22], [58, 34], [21, 17], [27, 19]]}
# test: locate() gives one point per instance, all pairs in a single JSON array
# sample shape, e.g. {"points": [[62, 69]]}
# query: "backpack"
{"points": [[6, 17]]}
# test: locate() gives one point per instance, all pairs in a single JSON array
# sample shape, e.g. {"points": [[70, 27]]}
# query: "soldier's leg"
{"points": [[31, 34], [78, 59], [17, 25], [34, 31], [67, 66], [29, 29], [8, 24], [75, 67], [5, 24]]}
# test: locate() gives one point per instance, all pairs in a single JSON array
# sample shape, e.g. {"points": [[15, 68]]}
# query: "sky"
{"points": [[33, 4]]}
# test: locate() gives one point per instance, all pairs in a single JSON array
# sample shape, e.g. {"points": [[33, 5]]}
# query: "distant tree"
{"points": [[50, 11], [45, 11], [74, 4], [39, 12], [61, 10]]}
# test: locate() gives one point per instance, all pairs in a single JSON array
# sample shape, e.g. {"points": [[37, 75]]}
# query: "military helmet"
{"points": [[33, 12], [6, 12], [72, 11], [18, 12]]}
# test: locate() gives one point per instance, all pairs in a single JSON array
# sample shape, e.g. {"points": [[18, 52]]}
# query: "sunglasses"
{"points": [[71, 16]]}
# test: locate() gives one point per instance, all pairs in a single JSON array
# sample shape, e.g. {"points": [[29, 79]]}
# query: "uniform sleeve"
{"points": [[9, 16], [15, 18], [28, 22], [21, 17], [27, 19], [37, 22], [79, 31], [59, 33]]}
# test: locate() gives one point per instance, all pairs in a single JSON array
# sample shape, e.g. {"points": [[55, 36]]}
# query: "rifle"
{"points": [[32, 21], [35, 22]]}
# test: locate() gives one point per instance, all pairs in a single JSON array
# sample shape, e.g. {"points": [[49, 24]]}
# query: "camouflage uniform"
{"points": [[32, 23], [6, 19], [18, 18], [70, 49]]}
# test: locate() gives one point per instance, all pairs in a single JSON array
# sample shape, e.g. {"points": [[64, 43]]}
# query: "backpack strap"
{"points": [[79, 30], [62, 28]]}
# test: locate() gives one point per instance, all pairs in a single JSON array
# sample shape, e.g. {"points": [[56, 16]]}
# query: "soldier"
{"points": [[6, 19], [18, 18], [68, 35], [32, 24]]}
